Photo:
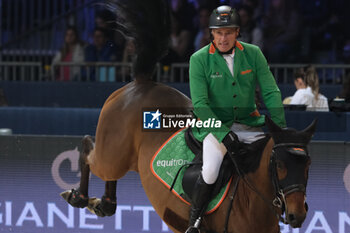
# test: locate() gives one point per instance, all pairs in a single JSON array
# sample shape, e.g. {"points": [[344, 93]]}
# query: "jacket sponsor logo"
{"points": [[216, 75]]}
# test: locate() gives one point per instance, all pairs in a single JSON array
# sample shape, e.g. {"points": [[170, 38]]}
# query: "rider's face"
{"points": [[70, 37], [225, 38]]}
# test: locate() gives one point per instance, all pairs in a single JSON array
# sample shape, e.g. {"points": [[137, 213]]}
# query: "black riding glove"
{"points": [[231, 142]]}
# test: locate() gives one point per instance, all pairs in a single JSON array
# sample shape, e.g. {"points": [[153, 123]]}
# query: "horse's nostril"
{"points": [[295, 220], [291, 218]]}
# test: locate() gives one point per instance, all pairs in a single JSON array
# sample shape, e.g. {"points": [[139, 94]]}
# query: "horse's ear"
{"points": [[273, 128], [310, 130]]}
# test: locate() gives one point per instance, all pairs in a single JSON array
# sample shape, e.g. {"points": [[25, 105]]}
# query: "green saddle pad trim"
{"points": [[167, 161]]}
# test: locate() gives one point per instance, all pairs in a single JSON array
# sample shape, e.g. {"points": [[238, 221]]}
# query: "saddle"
{"points": [[248, 160]]}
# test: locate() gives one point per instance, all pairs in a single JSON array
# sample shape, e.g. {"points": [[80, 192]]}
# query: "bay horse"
{"points": [[121, 144]]}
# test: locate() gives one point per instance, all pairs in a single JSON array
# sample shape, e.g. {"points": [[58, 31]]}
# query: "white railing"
{"points": [[328, 73], [123, 72], [21, 71], [283, 73], [92, 71]]}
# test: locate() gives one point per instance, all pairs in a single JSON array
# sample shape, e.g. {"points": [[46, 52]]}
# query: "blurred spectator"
{"points": [[281, 28], [203, 35], [326, 37], [250, 33], [323, 29], [101, 50], [184, 13], [71, 51], [106, 19], [307, 84], [129, 51], [256, 7], [181, 45], [181, 39]]}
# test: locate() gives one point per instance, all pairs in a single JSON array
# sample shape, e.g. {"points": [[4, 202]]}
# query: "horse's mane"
{"points": [[250, 155], [148, 23]]}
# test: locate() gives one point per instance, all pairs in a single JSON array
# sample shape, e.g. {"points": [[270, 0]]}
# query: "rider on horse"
{"points": [[223, 79]]}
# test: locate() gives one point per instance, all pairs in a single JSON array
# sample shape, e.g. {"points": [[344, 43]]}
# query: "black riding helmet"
{"points": [[224, 16]]}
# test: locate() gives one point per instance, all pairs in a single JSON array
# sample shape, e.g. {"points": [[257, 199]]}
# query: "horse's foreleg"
{"points": [[87, 147], [110, 191], [108, 204], [79, 197]]}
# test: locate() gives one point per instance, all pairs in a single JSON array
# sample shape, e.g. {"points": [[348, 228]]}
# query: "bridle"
{"points": [[280, 192]]}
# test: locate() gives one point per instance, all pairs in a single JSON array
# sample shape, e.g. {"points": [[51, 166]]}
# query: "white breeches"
{"points": [[214, 151]]}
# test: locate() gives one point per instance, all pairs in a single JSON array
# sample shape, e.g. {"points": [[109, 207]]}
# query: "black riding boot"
{"points": [[200, 199]]}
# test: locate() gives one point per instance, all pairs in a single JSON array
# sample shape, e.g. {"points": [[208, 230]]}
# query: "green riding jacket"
{"points": [[216, 94]]}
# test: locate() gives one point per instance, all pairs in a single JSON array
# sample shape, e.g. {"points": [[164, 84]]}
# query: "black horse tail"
{"points": [[148, 23]]}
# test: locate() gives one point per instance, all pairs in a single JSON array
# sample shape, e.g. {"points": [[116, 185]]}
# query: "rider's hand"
{"points": [[231, 142]]}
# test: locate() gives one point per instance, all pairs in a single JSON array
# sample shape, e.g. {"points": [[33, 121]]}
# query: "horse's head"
{"points": [[289, 167]]}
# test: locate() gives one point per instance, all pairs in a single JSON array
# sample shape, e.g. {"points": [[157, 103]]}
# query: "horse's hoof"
{"points": [[75, 198], [95, 207], [102, 208]]}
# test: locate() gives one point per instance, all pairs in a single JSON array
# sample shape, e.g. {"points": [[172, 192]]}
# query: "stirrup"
{"points": [[192, 229], [195, 227]]}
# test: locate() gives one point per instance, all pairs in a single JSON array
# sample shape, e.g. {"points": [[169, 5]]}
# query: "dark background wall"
{"points": [[93, 94]]}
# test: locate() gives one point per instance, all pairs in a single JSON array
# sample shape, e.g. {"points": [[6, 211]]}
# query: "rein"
{"points": [[254, 189]]}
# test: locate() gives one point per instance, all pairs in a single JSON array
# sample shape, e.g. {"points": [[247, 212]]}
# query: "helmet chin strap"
{"points": [[227, 52]]}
